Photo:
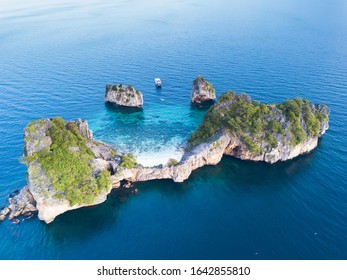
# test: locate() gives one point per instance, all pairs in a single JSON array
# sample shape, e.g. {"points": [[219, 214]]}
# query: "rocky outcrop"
{"points": [[49, 205], [202, 91], [84, 130], [123, 96], [21, 203], [260, 132], [49, 202], [283, 151]]}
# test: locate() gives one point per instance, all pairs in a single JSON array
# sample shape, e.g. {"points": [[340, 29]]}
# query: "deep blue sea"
{"points": [[56, 58]]}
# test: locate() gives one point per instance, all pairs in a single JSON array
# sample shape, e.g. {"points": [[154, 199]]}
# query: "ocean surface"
{"points": [[56, 58]]}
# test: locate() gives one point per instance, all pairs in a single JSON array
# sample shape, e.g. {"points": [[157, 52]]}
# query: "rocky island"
{"points": [[123, 96], [69, 169], [202, 91], [260, 132]]}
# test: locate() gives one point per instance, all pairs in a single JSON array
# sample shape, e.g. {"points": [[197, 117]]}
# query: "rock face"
{"points": [[21, 203], [261, 132], [84, 130], [284, 151], [123, 96], [238, 149], [202, 91]]}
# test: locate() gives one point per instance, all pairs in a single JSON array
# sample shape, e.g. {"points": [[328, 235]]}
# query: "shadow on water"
{"points": [[202, 106], [88, 221], [125, 115], [249, 171], [242, 176], [84, 222], [158, 90], [122, 109], [166, 187]]}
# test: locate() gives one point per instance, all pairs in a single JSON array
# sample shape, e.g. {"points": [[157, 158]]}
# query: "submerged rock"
{"points": [[123, 96], [202, 91]]}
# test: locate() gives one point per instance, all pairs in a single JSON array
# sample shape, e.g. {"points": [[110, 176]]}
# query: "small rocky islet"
{"points": [[69, 169], [202, 91], [126, 96]]}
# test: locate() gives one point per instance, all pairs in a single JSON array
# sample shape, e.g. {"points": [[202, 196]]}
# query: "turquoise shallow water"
{"points": [[55, 59]]}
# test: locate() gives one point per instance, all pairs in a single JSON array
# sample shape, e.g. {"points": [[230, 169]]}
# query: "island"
{"points": [[69, 169], [202, 91], [124, 96]]}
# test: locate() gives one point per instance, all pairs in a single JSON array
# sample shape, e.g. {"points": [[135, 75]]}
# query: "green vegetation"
{"points": [[276, 127], [320, 116], [172, 162], [312, 122], [208, 84], [113, 152], [67, 164], [233, 112], [269, 138], [103, 180], [255, 123], [294, 109], [254, 148], [31, 127], [129, 161]]}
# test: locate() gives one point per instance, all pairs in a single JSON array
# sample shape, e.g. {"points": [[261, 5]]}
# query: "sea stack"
{"points": [[202, 91], [123, 96]]}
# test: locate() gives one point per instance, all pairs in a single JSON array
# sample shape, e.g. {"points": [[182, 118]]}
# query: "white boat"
{"points": [[157, 82]]}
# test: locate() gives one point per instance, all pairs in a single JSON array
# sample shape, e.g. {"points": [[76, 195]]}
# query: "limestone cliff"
{"points": [[202, 91], [86, 169], [261, 132], [51, 201], [123, 96]]}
